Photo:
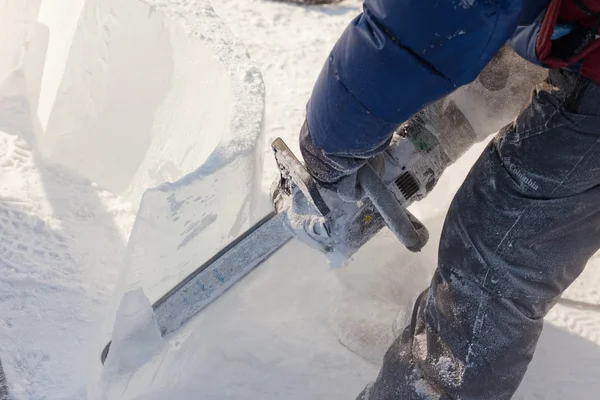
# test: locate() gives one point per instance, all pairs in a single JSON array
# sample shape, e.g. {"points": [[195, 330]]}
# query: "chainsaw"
{"points": [[312, 212]]}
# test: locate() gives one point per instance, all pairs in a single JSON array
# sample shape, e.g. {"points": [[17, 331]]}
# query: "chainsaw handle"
{"points": [[407, 228]]}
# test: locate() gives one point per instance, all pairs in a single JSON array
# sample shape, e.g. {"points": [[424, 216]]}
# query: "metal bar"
{"points": [[221, 272], [217, 275], [214, 258]]}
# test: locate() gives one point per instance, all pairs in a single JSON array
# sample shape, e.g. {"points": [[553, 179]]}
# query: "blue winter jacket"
{"points": [[400, 55]]}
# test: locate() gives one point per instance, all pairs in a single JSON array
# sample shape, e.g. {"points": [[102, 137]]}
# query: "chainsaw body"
{"points": [[316, 215]]}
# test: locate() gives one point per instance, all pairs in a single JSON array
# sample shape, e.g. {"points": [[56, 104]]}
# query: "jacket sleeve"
{"points": [[397, 57]]}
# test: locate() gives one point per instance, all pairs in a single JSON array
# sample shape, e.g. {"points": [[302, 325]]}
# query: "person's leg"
{"points": [[519, 231]]}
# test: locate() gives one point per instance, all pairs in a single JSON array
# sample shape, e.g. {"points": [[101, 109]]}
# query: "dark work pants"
{"points": [[519, 231]]}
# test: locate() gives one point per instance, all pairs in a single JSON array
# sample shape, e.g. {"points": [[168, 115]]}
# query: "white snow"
{"points": [[101, 100]]}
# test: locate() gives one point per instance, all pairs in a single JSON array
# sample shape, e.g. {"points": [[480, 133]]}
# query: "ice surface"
{"points": [[136, 335], [130, 94], [131, 109], [136, 338], [206, 153], [138, 94]]}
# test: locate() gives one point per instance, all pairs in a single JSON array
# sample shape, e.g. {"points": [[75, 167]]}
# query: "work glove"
{"points": [[337, 173], [340, 175]]}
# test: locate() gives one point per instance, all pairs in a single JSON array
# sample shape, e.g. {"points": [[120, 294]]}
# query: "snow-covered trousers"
{"points": [[519, 231]]}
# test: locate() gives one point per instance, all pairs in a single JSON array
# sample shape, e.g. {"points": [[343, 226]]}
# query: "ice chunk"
{"points": [[136, 336]]}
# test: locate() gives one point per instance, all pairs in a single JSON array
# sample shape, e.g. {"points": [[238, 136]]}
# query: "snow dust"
{"points": [[115, 110]]}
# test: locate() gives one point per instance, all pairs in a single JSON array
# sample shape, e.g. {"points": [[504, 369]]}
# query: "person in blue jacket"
{"points": [[527, 218]]}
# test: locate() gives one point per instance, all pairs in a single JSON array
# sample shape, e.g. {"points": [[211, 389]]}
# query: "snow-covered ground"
{"points": [[61, 240], [293, 329]]}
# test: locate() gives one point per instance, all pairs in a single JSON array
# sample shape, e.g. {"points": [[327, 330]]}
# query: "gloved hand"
{"points": [[345, 179], [337, 173]]}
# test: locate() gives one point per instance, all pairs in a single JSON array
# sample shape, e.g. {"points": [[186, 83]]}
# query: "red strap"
{"points": [[544, 43], [590, 69], [582, 12], [568, 10]]}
